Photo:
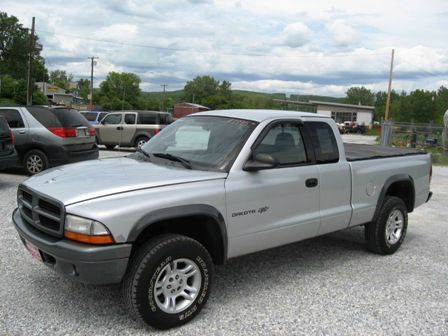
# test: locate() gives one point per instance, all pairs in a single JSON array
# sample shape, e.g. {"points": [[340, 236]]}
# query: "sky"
{"points": [[296, 47]]}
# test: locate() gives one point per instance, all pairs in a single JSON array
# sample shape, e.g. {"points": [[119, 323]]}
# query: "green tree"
{"points": [[14, 47], [200, 88], [359, 95], [61, 79], [83, 88], [120, 91], [421, 106], [206, 90], [441, 103]]}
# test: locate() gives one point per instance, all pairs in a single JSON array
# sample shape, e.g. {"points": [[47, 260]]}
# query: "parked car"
{"points": [[46, 137], [157, 220], [8, 155], [130, 128], [94, 117]]}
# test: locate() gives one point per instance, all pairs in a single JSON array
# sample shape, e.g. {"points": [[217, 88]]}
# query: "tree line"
{"points": [[122, 90]]}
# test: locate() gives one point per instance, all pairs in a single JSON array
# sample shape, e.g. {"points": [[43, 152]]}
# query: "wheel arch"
{"points": [[140, 134], [201, 222], [401, 186]]}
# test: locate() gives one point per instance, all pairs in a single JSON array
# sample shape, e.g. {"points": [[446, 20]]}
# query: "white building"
{"points": [[362, 115]]}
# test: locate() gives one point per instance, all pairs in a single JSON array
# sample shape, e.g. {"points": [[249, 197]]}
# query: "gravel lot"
{"points": [[324, 286]]}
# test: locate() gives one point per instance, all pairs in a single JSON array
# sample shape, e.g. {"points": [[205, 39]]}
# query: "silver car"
{"points": [[130, 128]]}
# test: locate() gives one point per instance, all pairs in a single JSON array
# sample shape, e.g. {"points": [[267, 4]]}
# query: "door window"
{"points": [[285, 143], [13, 118], [112, 119], [129, 119]]}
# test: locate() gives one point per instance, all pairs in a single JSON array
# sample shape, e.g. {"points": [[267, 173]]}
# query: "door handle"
{"points": [[119, 128], [311, 183], [22, 132]]}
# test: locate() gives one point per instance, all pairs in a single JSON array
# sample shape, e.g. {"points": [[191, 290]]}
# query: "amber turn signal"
{"points": [[89, 239]]}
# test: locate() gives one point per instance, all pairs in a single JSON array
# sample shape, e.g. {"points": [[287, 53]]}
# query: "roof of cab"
{"points": [[258, 115]]}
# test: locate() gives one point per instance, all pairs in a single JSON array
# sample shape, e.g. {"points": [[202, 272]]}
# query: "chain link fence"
{"points": [[433, 139]]}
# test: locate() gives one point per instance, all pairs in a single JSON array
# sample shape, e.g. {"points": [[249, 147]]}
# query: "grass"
{"points": [[439, 157]]}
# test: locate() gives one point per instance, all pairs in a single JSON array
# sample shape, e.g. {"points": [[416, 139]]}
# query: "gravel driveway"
{"points": [[324, 286]]}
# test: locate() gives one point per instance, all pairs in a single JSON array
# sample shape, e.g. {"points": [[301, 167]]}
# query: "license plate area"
{"points": [[82, 132], [34, 250]]}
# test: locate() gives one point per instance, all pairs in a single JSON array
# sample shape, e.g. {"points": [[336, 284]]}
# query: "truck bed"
{"points": [[357, 152]]}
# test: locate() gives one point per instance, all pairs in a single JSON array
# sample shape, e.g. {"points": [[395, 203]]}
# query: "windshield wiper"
{"points": [[171, 157], [143, 152]]}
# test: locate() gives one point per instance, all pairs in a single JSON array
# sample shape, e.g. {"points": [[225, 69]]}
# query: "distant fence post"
{"points": [[445, 133], [386, 132]]}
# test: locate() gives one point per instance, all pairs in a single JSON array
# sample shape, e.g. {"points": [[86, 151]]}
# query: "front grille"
{"points": [[40, 211]]}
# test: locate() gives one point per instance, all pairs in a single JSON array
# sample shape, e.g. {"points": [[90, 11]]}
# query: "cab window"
{"points": [[284, 142]]}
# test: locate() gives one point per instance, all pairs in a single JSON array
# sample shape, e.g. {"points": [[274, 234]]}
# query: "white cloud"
{"points": [[296, 35], [310, 46], [342, 33]]}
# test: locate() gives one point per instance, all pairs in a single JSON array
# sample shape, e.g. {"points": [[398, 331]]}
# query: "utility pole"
{"points": [[386, 117], [163, 96], [29, 83], [92, 63]]}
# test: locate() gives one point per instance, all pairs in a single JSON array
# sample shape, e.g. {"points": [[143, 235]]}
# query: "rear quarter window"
{"points": [[13, 118], [147, 118], [323, 141]]}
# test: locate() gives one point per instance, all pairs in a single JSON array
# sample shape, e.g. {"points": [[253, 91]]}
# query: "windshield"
{"points": [[210, 143]]}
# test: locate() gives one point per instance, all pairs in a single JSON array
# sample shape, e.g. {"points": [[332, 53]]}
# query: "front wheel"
{"points": [[168, 281], [386, 234]]}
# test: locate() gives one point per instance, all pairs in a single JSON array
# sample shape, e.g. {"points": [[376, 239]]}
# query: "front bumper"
{"points": [[81, 262]]}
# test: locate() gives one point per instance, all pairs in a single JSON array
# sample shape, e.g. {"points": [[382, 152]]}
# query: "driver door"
{"points": [[110, 129], [275, 206]]}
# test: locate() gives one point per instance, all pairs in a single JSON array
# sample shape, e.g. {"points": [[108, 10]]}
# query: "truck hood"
{"points": [[96, 178]]}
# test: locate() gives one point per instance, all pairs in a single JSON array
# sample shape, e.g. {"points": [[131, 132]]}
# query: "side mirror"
{"points": [[261, 161]]}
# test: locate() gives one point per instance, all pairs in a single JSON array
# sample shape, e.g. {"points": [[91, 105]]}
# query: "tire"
{"points": [[149, 271], [386, 234], [110, 147], [140, 141], [35, 161]]}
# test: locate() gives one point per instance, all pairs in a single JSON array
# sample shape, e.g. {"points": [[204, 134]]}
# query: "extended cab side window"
{"points": [[13, 118], [112, 119], [323, 142], [284, 142]]}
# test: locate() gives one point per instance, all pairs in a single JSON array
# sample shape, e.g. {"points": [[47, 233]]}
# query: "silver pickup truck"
{"points": [[209, 187]]}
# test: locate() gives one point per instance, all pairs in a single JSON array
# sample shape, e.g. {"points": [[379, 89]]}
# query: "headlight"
{"points": [[86, 230]]}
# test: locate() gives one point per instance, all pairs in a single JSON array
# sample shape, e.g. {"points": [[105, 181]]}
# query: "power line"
{"points": [[255, 54]]}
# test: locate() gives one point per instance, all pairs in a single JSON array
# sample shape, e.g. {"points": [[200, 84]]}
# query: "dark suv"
{"points": [[8, 155], [47, 137]]}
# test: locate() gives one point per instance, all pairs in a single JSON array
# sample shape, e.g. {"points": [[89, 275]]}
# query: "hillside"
{"points": [[177, 96]]}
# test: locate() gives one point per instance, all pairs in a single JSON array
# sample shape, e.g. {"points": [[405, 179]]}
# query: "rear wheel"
{"points": [[35, 161], [386, 234], [168, 281], [140, 141]]}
